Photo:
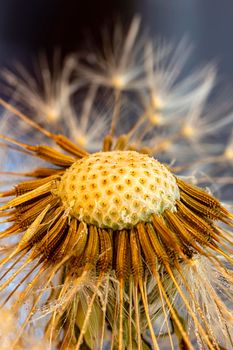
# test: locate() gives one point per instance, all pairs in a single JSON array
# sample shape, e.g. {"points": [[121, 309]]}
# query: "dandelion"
{"points": [[45, 96], [111, 247], [120, 65]]}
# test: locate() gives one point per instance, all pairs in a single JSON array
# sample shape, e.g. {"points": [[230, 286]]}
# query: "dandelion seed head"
{"points": [[82, 140], [115, 243], [157, 101], [118, 81], [228, 153], [155, 118], [52, 111], [117, 189], [188, 131]]}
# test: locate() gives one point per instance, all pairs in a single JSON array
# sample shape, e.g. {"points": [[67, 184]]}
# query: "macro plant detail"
{"points": [[110, 246]]}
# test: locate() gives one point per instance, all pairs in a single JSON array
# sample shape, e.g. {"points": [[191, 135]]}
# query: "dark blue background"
{"points": [[26, 27]]}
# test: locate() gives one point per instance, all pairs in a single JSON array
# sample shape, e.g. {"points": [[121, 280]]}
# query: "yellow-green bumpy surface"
{"points": [[117, 189]]}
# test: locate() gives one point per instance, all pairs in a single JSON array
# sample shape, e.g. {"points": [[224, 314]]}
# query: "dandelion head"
{"points": [[114, 245], [117, 189]]}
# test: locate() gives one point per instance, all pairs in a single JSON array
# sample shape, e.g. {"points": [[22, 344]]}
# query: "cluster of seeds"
{"points": [[112, 249], [117, 189], [118, 216]]}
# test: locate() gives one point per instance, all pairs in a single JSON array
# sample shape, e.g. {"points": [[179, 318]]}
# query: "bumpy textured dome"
{"points": [[117, 189]]}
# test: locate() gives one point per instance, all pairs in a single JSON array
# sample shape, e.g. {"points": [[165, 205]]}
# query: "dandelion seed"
{"points": [[119, 66], [45, 96], [113, 245], [206, 289], [166, 91], [88, 129]]}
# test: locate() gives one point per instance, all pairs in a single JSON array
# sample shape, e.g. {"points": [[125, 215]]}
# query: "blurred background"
{"points": [[27, 27]]}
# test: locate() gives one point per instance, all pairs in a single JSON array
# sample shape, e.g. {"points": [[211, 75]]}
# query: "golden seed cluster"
{"points": [[117, 189]]}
